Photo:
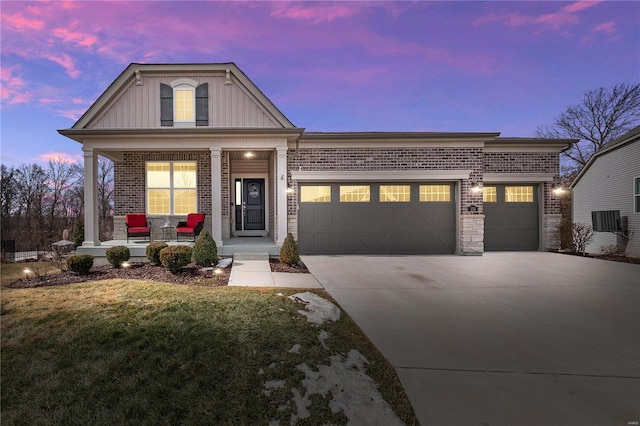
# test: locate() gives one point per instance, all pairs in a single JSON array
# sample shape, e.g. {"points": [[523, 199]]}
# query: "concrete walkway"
{"points": [[253, 270], [500, 339]]}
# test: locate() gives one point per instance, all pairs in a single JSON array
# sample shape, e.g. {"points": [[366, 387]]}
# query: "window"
{"points": [[435, 193], [171, 187], [518, 194], [315, 194], [395, 193], [606, 221], [636, 192], [489, 194], [185, 103], [355, 193]]}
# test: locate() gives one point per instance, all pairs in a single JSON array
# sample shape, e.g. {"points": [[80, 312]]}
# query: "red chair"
{"points": [[137, 226], [192, 227]]}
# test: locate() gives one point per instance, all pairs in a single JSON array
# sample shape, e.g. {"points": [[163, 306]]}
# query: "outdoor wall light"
{"points": [[475, 187], [559, 189], [289, 190]]}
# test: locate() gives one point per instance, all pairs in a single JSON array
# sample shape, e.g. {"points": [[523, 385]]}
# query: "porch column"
{"points": [[216, 195], [281, 195], [91, 234]]}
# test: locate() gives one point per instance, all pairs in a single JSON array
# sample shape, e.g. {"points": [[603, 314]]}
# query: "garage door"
{"points": [[511, 217], [376, 218]]}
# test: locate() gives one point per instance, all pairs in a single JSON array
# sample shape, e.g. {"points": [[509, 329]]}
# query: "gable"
{"points": [[133, 101]]}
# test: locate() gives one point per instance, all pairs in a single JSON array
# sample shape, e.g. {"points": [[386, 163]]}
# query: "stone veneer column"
{"points": [[216, 195], [551, 223], [91, 233], [472, 234], [281, 195]]}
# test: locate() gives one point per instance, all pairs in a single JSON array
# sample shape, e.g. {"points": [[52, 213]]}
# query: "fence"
{"points": [[12, 252]]}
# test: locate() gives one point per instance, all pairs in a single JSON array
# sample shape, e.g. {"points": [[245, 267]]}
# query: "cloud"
{"points": [[557, 20], [76, 37], [66, 62], [13, 87], [315, 12], [605, 27], [17, 22], [61, 157]]}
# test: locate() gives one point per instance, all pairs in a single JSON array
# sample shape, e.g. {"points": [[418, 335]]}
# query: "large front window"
{"points": [[171, 188]]}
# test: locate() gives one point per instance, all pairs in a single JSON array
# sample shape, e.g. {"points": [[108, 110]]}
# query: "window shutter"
{"points": [[166, 105], [202, 105]]}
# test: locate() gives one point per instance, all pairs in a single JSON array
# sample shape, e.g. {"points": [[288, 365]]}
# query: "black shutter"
{"points": [[166, 105], [202, 105]]}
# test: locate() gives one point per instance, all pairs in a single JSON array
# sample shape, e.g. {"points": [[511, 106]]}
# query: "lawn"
{"points": [[142, 352]]}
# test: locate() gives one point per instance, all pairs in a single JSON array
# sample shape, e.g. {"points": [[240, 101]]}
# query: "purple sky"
{"points": [[328, 66]]}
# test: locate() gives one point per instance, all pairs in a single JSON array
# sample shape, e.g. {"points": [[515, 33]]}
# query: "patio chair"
{"points": [[191, 227], [137, 226]]}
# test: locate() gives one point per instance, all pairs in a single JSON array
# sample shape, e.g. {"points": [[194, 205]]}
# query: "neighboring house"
{"points": [[203, 138], [606, 195]]}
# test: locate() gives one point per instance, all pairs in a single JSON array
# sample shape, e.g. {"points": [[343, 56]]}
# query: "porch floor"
{"points": [[229, 247]]}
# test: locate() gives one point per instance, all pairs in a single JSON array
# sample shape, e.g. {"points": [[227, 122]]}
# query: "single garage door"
{"points": [[376, 218], [511, 217]]}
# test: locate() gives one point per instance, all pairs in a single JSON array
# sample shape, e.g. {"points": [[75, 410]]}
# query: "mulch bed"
{"points": [[610, 257], [189, 275]]}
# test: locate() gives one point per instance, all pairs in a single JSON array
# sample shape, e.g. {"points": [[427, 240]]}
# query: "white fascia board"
{"points": [[517, 177], [525, 148], [381, 175], [391, 143]]}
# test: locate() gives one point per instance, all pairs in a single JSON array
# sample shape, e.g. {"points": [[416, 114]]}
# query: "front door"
{"points": [[250, 205]]}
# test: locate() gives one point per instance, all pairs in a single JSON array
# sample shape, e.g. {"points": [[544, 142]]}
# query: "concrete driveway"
{"points": [[502, 339]]}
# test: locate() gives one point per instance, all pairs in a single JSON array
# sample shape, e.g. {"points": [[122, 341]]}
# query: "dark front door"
{"points": [[250, 214]]}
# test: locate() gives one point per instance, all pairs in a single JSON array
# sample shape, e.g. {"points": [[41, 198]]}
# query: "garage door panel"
{"points": [[376, 227], [511, 226]]}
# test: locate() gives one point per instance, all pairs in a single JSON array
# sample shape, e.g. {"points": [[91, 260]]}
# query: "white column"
{"points": [[216, 195], [91, 234], [281, 196]]}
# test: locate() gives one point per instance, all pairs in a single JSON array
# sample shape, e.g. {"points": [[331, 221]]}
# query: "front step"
{"points": [[251, 256]]}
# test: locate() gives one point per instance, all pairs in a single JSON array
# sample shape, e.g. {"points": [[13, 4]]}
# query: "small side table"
{"points": [[166, 232]]}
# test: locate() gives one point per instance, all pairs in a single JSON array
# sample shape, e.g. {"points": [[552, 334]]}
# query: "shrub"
{"points": [[153, 251], [289, 253], [117, 254], [80, 263], [205, 251], [78, 233], [582, 235], [175, 258]]}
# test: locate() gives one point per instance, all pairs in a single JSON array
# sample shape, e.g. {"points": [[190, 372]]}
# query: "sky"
{"points": [[449, 66]]}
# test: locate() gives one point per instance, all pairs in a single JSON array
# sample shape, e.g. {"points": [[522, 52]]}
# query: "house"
{"points": [[204, 138], [606, 195]]}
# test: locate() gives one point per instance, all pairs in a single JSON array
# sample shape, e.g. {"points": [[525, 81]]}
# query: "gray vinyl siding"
{"points": [[138, 107], [608, 184]]}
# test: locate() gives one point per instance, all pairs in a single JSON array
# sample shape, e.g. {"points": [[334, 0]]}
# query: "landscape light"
{"points": [[26, 271]]}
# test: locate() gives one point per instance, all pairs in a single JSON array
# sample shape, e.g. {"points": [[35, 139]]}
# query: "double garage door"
{"points": [[376, 218], [410, 218]]}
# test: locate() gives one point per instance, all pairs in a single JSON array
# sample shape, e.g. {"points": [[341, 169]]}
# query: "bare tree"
{"points": [[105, 197], [32, 181], [601, 116], [8, 199], [63, 176]]}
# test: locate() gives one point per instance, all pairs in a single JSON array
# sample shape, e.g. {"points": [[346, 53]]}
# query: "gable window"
{"points": [[184, 102], [636, 197], [171, 187]]}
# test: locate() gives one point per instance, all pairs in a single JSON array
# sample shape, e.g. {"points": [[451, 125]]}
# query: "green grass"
{"points": [[140, 352]]}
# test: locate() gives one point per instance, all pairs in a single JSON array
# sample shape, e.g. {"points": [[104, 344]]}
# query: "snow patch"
{"points": [[316, 309]]}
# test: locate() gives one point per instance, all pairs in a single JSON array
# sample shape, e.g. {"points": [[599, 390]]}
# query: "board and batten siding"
{"points": [[138, 107], [608, 184]]}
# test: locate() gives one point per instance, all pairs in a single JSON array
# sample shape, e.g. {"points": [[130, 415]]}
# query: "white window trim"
{"points": [[184, 87], [635, 195], [171, 188]]}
